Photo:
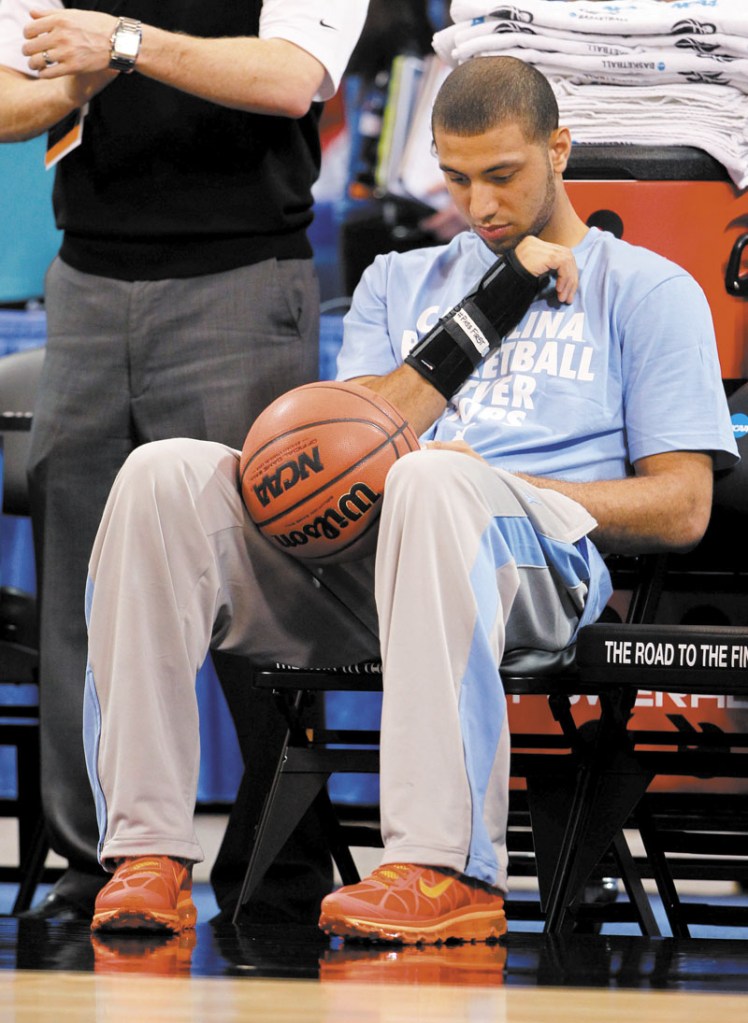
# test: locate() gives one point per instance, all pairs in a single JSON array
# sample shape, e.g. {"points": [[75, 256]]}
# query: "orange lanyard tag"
{"points": [[65, 136]]}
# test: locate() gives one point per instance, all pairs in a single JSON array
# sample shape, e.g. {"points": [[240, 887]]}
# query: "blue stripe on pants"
{"points": [[92, 733], [508, 541]]}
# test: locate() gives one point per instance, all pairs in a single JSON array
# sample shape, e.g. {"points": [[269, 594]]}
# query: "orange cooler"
{"points": [[679, 202]]}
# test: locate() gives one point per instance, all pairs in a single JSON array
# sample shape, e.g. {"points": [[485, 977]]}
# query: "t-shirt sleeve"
{"points": [[367, 347], [673, 392], [327, 29]]}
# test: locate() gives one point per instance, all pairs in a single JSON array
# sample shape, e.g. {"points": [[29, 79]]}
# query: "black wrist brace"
{"points": [[452, 349]]}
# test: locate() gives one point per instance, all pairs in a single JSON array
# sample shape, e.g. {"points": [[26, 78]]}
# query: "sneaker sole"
{"points": [[458, 927], [146, 920]]}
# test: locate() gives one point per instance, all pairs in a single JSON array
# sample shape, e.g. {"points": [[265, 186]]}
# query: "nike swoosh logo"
{"points": [[434, 891], [324, 24]]}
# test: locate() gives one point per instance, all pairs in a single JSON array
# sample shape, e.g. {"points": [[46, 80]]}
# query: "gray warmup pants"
{"points": [[470, 561]]}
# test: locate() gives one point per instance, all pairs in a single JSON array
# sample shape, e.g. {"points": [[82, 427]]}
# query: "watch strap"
{"points": [[125, 45]]}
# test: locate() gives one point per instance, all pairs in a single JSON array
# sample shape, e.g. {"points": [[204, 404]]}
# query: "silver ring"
{"points": [[48, 62]]}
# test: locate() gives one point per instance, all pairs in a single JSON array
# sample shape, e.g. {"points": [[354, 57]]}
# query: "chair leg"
{"points": [[288, 800], [28, 781], [662, 875], [549, 800], [339, 848], [33, 844], [32, 867], [567, 881], [610, 784], [634, 888]]}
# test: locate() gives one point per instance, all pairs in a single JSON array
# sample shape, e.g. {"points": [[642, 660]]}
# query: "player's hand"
{"points": [[66, 42], [540, 257], [454, 445]]}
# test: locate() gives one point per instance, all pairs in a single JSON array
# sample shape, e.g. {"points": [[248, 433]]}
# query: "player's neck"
{"points": [[565, 227]]}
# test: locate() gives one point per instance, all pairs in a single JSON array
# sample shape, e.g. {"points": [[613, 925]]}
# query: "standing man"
{"points": [[184, 297]]}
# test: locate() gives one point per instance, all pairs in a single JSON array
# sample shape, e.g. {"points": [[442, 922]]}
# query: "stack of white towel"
{"points": [[633, 71]]}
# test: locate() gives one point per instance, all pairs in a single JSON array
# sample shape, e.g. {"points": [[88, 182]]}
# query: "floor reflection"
{"points": [[528, 959], [480, 965], [142, 954]]}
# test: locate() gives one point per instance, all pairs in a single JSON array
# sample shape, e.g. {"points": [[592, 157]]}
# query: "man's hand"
{"points": [[460, 445], [68, 42], [539, 257]]}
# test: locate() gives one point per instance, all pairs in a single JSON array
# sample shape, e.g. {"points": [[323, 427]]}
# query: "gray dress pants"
{"points": [[128, 363]]}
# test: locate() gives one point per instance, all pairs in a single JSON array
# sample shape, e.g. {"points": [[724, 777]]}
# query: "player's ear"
{"points": [[559, 149]]}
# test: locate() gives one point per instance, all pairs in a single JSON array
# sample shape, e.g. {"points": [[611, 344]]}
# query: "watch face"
{"points": [[127, 44]]}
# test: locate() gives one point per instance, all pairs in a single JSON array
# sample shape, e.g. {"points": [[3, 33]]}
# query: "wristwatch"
{"points": [[125, 45]]}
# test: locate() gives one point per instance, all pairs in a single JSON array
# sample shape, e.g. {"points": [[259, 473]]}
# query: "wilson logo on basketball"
{"points": [[351, 507], [287, 475], [313, 466]]}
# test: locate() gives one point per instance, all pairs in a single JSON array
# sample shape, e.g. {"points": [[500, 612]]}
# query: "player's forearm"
{"points": [[416, 399], [665, 508], [439, 364]]}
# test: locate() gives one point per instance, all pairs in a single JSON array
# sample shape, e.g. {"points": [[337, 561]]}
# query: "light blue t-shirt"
{"points": [[580, 391]]}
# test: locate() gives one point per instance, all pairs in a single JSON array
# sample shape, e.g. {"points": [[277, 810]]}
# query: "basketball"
{"points": [[313, 469]]}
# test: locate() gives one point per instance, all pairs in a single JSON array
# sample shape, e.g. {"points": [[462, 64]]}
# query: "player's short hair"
{"points": [[487, 91]]}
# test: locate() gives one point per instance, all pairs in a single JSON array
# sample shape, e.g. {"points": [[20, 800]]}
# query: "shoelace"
{"points": [[391, 873]]}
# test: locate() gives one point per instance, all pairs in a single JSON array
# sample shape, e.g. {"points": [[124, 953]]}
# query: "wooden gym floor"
{"points": [[56, 973], [217, 973]]}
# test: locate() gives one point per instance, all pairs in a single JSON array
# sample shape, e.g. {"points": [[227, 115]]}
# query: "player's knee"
{"points": [[160, 473], [168, 477], [434, 475], [151, 462]]}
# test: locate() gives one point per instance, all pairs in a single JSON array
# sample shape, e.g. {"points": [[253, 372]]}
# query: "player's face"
{"points": [[504, 186]]}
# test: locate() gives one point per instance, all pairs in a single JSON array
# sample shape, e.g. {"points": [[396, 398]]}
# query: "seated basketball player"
{"points": [[557, 422]]}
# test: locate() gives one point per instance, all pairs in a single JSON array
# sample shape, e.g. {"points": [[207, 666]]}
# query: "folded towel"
{"points": [[713, 118], [648, 67], [449, 42], [630, 71], [625, 17]]}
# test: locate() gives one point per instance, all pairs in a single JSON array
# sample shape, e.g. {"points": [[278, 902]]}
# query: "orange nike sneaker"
{"points": [[407, 903], [149, 893]]}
